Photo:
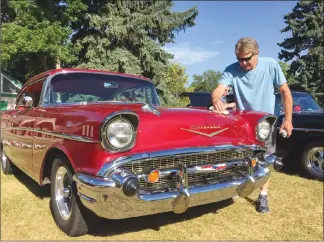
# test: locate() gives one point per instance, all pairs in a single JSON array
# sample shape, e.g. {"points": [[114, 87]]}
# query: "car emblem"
{"points": [[217, 167], [204, 134]]}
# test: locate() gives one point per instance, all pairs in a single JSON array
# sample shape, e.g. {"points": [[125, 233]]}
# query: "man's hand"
{"points": [[286, 125], [219, 106]]}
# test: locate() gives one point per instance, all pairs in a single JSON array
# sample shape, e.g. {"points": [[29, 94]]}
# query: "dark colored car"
{"points": [[305, 146]]}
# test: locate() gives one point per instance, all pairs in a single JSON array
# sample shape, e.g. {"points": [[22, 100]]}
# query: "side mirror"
{"points": [[27, 102]]}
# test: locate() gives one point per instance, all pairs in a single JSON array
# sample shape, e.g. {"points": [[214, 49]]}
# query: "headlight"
{"points": [[263, 130], [119, 133]]}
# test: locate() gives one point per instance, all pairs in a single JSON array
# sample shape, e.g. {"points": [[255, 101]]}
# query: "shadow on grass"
{"points": [[105, 227], [37, 190], [291, 167]]}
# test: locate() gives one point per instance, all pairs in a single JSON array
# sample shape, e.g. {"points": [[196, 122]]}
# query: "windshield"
{"points": [[301, 102], [96, 87]]}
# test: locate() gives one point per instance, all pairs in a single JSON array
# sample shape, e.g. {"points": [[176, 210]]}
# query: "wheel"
{"points": [[65, 202], [6, 165], [312, 163]]}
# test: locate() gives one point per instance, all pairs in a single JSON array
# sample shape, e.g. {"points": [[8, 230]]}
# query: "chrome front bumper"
{"points": [[106, 197]]}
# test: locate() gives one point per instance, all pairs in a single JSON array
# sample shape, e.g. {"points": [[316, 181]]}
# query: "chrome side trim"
{"points": [[64, 136], [107, 168]]}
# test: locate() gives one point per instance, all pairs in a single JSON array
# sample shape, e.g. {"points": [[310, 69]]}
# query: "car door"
{"points": [[22, 128]]}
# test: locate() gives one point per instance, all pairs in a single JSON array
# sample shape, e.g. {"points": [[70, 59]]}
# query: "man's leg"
{"points": [[262, 202]]}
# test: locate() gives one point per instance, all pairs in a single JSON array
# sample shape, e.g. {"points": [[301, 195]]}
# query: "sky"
{"points": [[210, 44]]}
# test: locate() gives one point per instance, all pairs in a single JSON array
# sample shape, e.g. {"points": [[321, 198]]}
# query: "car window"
{"points": [[34, 91], [301, 102], [92, 87]]}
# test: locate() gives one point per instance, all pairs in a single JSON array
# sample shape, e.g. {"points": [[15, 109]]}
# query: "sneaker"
{"points": [[262, 204]]}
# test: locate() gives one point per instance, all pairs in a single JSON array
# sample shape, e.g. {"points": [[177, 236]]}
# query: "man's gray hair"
{"points": [[246, 45]]}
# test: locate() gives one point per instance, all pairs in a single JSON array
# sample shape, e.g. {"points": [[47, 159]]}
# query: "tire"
{"points": [[6, 165], [66, 205], [312, 160]]}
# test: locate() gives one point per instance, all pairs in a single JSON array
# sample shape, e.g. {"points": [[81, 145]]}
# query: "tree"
{"points": [[206, 82], [174, 83], [34, 37], [294, 84], [114, 35], [305, 49], [128, 36]]}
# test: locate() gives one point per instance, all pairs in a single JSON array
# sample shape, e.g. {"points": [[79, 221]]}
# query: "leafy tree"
{"points": [[305, 48], [174, 83], [114, 35], [290, 78], [206, 82], [34, 37]]}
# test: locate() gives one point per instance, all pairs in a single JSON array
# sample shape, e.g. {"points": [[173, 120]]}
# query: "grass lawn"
{"points": [[296, 214]]}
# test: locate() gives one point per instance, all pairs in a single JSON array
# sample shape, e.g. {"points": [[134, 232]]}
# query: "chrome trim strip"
{"points": [[64, 136], [107, 168], [306, 129]]}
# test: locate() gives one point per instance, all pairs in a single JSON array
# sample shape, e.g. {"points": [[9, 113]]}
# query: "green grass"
{"points": [[296, 214]]}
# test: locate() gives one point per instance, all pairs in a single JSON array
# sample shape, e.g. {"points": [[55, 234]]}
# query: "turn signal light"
{"points": [[153, 176], [254, 162]]}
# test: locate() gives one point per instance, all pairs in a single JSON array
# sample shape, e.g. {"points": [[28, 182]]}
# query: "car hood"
{"points": [[182, 127], [172, 128]]}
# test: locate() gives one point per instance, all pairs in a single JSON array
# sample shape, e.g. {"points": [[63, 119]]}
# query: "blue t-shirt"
{"points": [[255, 89]]}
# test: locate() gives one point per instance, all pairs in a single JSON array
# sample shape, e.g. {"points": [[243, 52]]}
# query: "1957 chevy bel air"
{"points": [[107, 147]]}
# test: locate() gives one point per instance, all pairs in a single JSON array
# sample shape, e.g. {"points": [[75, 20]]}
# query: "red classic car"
{"points": [[107, 147]]}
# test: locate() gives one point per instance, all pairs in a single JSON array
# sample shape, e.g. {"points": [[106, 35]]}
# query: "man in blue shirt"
{"points": [[254, 80]]}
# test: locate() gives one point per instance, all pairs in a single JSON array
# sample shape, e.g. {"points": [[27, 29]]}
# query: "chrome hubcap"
{"points": [[4, 160], [63, 193], [315, 159]]}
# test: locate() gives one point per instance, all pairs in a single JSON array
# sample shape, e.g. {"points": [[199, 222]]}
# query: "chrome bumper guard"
{"points": [[118, 196]]}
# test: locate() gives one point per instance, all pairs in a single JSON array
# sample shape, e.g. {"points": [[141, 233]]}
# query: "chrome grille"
{"points": [[198, 179], [170, 182], [168, 162]]}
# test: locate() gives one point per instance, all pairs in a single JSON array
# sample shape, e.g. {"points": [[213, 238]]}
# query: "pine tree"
{"points": [[305, 49], [128, 36]]}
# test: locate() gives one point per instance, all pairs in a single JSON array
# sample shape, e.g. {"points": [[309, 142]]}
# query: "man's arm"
{"points": [[287, 105], [216, 97]]}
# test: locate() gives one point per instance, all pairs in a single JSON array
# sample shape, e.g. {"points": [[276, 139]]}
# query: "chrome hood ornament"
{"points": [[149, 108]]}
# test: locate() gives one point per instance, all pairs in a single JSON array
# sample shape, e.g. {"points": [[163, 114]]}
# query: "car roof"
{"points": [[78, 70]]}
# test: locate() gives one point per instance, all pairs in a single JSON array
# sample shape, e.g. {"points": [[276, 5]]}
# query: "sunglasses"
{"points": [[245, 59]]}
